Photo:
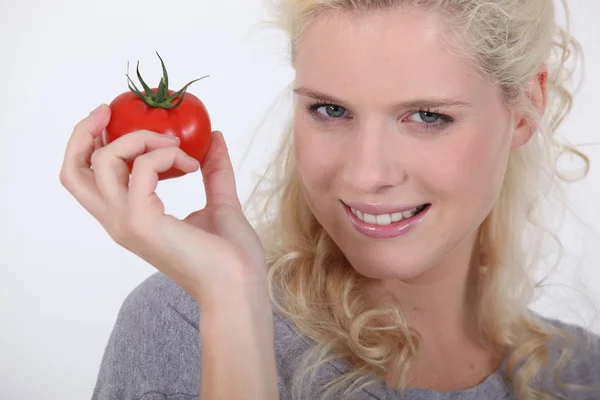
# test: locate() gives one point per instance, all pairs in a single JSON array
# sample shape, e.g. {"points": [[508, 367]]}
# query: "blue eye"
{"points": [[326, 110], [428, 117], [423, 119], [333, 111]]}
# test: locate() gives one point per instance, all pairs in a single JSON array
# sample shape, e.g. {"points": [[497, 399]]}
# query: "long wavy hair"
{"points": [[312, 284]]}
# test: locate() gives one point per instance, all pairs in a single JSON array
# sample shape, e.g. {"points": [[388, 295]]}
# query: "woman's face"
{"points": [[389, 124]]}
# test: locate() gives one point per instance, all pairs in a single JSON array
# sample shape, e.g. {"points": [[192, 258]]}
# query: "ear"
{"points": [[536, 92]]}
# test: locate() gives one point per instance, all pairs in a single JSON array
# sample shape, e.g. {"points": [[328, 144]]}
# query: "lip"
{"points": [[377, 209], [393, 230]]}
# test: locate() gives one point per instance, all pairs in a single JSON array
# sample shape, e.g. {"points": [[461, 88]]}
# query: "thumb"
{"points": [[217, 172]]}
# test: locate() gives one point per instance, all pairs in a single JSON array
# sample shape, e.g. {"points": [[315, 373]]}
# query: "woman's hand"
{"points": [[204, 253]]}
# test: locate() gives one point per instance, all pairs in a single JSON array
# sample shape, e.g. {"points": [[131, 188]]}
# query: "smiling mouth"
{"points": [[387, 219]]}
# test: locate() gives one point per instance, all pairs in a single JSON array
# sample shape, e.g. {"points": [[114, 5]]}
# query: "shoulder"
{"points": [[583, 343], [579, 347], [155, 349], [157, 296]]}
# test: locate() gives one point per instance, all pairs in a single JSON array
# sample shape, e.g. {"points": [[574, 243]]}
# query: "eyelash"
{"points": [[443, 120]]}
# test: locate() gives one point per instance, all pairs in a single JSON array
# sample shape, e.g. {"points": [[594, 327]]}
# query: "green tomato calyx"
{"points": [[161, 98]]}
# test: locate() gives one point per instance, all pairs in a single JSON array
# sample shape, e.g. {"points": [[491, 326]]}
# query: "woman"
{"points": [[421, 140]]}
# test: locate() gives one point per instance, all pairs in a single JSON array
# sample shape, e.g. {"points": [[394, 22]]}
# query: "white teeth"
{"points": [[397, 217], [385, 219], [369, 219]]}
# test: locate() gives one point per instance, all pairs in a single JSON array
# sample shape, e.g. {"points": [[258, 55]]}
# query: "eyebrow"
{"points": [[417, 103]]}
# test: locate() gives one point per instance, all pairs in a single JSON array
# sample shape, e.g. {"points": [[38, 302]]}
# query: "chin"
{"points": [[389, 267]]}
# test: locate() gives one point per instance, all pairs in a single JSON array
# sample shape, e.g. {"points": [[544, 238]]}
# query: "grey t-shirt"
{"points": [[154, 354]]}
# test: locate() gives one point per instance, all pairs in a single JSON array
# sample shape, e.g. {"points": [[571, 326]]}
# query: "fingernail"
{"points": [[171, 137], [220, 135]]}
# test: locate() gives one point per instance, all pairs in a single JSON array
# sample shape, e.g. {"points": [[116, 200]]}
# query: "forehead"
{"points": [[390, 54]]}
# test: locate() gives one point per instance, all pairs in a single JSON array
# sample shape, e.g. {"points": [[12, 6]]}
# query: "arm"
{"points": [[236, 331], [149, 350]]}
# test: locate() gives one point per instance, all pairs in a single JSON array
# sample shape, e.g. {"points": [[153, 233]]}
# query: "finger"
{"points": [[218, 175], [99, 141], [75, 173], [110, 163], [144, 176], [81, 144]]}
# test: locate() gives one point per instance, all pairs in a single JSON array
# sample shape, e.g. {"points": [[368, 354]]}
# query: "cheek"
{"points": [[315, 158], [469, 166]]}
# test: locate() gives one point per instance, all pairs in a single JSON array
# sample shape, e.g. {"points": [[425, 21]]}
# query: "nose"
{"points": [[373, 159]]}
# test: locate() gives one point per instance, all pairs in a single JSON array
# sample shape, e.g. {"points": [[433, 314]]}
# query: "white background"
{"points": [[62, 278]]}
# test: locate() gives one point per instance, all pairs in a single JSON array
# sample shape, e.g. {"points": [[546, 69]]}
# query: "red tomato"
{"points": [[164, 111]]}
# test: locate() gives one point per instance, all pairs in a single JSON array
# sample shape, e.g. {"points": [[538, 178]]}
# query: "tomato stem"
{"points": [[161, 98]]}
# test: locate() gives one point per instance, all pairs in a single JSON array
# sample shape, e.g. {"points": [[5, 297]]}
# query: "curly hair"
{"points": [[312, 283]]}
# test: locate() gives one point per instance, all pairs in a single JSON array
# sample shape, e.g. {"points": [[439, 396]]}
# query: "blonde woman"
{"points": [[395, 266]]}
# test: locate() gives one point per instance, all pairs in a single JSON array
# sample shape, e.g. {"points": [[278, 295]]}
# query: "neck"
{"points": [[442, 306], [441, 302]]}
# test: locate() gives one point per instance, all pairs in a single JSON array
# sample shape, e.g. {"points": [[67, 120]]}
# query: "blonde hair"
{"points": [[312, 283]]}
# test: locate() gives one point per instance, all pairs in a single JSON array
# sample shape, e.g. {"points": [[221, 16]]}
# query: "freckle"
{"points": [[472, 365]]}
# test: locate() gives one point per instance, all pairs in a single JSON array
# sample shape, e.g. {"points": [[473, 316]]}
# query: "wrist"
{"points": [[235, 292], [238, 308]]}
